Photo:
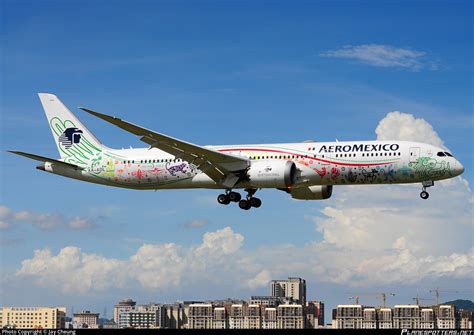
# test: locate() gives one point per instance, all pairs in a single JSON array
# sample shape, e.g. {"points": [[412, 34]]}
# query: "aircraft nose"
{"points": [[459, 169]]}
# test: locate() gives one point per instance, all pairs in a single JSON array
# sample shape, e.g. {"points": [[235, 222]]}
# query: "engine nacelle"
{"points": [[312, 192], [272, 174]]}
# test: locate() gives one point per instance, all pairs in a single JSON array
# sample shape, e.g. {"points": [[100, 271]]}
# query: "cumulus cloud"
{"points": [[383, 56], [153, 266], [403, 126], [43, 221], [260, 280]]}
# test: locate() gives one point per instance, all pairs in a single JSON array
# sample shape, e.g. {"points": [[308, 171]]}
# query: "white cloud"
{"points": [[383, 56], [260, 280], [43, 221], [197, 223], [81, 223], [153, 266], [402, 126]]}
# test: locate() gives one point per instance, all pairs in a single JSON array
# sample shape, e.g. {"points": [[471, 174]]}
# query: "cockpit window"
{"points": [[441, 154], [448, 154]]}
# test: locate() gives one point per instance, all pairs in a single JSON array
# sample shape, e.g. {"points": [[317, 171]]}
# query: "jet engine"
{"points": [[272, 174], [312, 192]]}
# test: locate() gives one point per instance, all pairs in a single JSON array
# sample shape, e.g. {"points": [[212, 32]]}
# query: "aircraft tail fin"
{"points": [[76, 144]]}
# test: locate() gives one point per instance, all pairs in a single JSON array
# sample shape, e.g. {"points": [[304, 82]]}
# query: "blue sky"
{"points": [[219, 73]]}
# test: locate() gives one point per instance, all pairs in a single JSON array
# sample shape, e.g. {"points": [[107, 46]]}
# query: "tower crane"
{"points": [[381, 295], [418, 299], [437, 291]]}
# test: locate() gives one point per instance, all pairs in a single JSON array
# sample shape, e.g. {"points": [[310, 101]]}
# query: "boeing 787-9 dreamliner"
{"points": [[306, 171]]}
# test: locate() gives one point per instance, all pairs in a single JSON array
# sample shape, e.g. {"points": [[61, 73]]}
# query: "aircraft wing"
{"points": [[45, 159], [218, 166]]}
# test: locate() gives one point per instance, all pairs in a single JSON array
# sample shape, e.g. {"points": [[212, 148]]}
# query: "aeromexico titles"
{"points": [[306, 171]]}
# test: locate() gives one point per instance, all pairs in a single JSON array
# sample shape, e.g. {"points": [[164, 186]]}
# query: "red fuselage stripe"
{"points": [[305, 156]]}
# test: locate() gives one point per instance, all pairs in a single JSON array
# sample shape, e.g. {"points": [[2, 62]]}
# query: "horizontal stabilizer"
{"points": [[45, 159]]}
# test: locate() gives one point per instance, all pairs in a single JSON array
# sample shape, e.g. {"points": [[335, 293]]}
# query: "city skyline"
{"points": [[281, 73]]}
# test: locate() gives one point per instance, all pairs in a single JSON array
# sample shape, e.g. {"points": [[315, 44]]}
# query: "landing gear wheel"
{"points": [[245, 204], [234, 196], [255, 202], [424, 195], [223, 199]]}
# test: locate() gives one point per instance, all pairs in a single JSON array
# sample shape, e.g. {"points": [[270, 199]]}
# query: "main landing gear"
{"points": [[247, 203], [428, 183]]}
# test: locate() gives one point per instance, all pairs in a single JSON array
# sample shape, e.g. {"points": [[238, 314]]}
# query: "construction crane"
{"points": [[437, 291], [418, 299], [355, 298], [381, 295]]}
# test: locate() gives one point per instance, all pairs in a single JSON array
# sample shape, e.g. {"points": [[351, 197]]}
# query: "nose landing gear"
{"points": [[428, 183]]}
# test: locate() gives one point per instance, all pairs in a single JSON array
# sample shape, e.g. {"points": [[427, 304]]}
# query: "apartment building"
{"points": [[427, 318], [446, 317], [85, 319], [200, 316], [369, 318], [253, 319], [269, 320], [237, 316], [348, 316], [33, 317], [121, 312], [385, 318], [406, 316], [466, 319], [293, 287], [290, 317], [219, 320]]}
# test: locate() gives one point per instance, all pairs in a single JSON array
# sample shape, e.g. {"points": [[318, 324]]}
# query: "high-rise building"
{"points": [[33, 317], [220, 318], [406, 316], [369, 319], [86, 319], [237, 316], [269, 320], [200, 316], [348, 317], [175, 316], [290, 317], [121, 312], [466, 319], [314, 311], [427, 318], [385, 318], [253, 320], [446, 317], [293, 287]]}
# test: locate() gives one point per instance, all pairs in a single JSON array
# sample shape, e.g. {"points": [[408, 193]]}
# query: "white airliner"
{"points": [[305, 170]]}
